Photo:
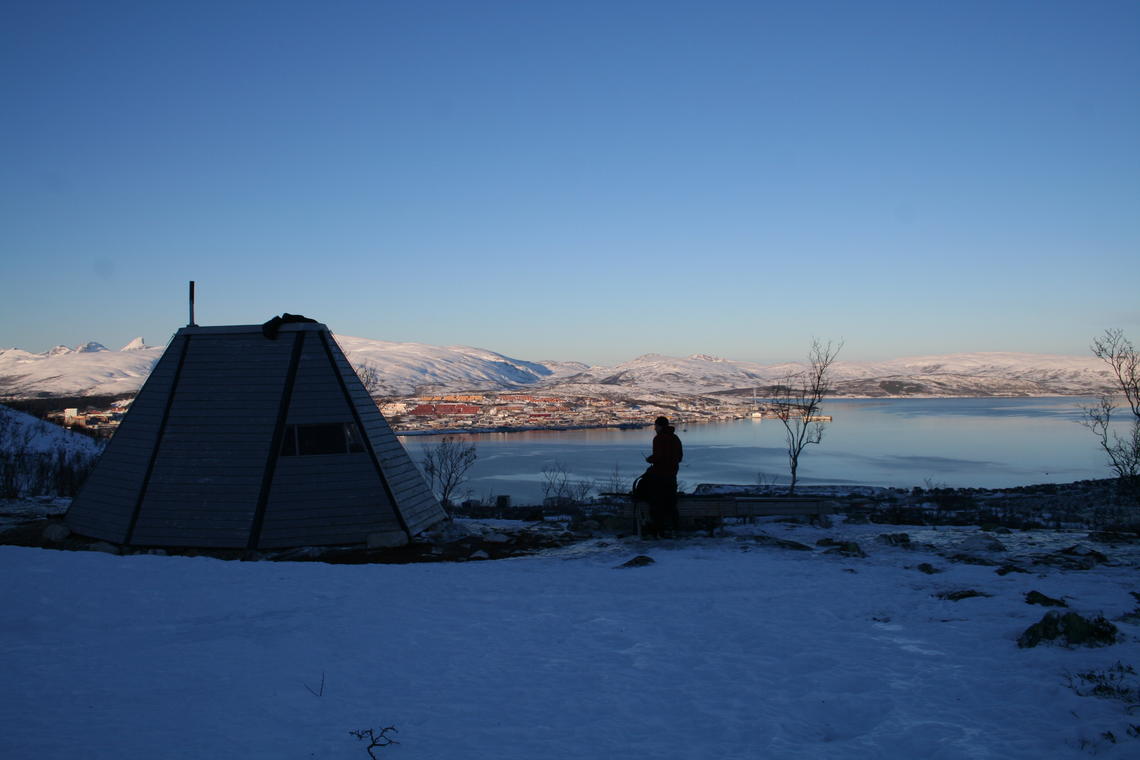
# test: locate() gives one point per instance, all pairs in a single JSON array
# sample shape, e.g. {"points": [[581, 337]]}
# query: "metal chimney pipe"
{"points": [[192, 305]]}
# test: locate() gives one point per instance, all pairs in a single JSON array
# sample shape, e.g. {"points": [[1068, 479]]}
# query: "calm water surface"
{"points": [[894, 442]]}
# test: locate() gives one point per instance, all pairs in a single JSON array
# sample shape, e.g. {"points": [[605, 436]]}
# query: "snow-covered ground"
{"points": [[727, 647]]}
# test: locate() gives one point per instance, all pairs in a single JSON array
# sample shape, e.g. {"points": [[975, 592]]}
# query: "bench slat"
{"points": [[691, 508]]}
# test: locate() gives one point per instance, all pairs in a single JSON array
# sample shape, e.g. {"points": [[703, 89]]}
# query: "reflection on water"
{"points": [[896, 442]]}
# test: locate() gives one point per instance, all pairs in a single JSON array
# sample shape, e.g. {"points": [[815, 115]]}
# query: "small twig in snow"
{"points": [[321, 691], [376, 739]]}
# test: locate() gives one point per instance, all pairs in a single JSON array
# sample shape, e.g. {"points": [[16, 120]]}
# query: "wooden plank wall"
{"points": [[417, 504], [324, 498], [211, 460], [104, 507]]}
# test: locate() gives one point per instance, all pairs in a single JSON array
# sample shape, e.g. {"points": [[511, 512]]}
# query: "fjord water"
{"points": [[961, 442]]}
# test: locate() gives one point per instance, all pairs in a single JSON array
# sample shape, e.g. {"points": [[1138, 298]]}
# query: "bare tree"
{"points": [[1123, 451], [555, 481], [765, 480], [580, 491], [557, 485], [446, 464], [798, 400], [370, 378], [614, 483]]}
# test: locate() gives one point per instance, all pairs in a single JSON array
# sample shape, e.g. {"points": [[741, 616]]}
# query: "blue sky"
{"points": [[583, 181]]}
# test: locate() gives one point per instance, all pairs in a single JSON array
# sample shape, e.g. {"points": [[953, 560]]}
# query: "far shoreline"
{"points": [[483, 430]]}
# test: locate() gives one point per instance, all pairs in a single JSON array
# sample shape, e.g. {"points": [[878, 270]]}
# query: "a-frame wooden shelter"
{"points": [[254, 439]]}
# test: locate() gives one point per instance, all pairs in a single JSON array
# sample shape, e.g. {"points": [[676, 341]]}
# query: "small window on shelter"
{"points": [[352, 436], [327, 438]]}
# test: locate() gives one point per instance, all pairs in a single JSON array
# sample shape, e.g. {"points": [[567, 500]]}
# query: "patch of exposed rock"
{"points": [[641, 560], [957, 596], [781, 543], [1069, 629], [844, 548], [979, 543], [1076, 557], [1036, 597]]}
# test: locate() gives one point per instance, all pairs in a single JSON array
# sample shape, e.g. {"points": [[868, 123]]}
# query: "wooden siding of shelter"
{"points": [[323, 498], [216, 476], [210, 463], [418, 506], [106, 504]]}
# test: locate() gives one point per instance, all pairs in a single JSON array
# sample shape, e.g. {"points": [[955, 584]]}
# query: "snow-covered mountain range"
{"points": [[968, 374], [89, 370], [407, 368]]}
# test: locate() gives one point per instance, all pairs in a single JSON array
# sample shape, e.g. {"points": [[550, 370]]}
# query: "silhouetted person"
{"points": [[665, 461]]}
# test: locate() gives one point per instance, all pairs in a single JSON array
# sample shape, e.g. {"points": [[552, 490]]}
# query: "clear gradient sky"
{"points": [[576, 180]]}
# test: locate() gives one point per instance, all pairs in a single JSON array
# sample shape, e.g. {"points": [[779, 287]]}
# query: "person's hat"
{"points": [[661, 421]]}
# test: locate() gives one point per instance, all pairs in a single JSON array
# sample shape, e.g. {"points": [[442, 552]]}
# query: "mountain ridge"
{"points": [[407, 368]]}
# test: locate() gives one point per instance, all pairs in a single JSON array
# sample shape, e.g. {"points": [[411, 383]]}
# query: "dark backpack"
{"points": [[645, 487]]}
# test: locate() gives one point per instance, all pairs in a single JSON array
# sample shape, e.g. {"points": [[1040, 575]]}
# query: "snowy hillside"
{"points": [[88, 370], [20, 432], [737, 647], [38, 458], [699, 373], [998, 373], [403, 368], [407, 368], [977, 374]]}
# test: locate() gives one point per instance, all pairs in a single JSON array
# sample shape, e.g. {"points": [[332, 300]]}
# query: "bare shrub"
{"points": [[555, 481], [370, 378], [557, 485], [446, 464]]}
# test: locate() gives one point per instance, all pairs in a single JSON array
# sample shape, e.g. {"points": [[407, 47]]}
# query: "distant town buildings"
{"points": [[506, 411], [499, 411], [100, 422]]}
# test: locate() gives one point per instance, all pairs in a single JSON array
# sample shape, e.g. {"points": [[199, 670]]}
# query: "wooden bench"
{"points": [[709, 512]]}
